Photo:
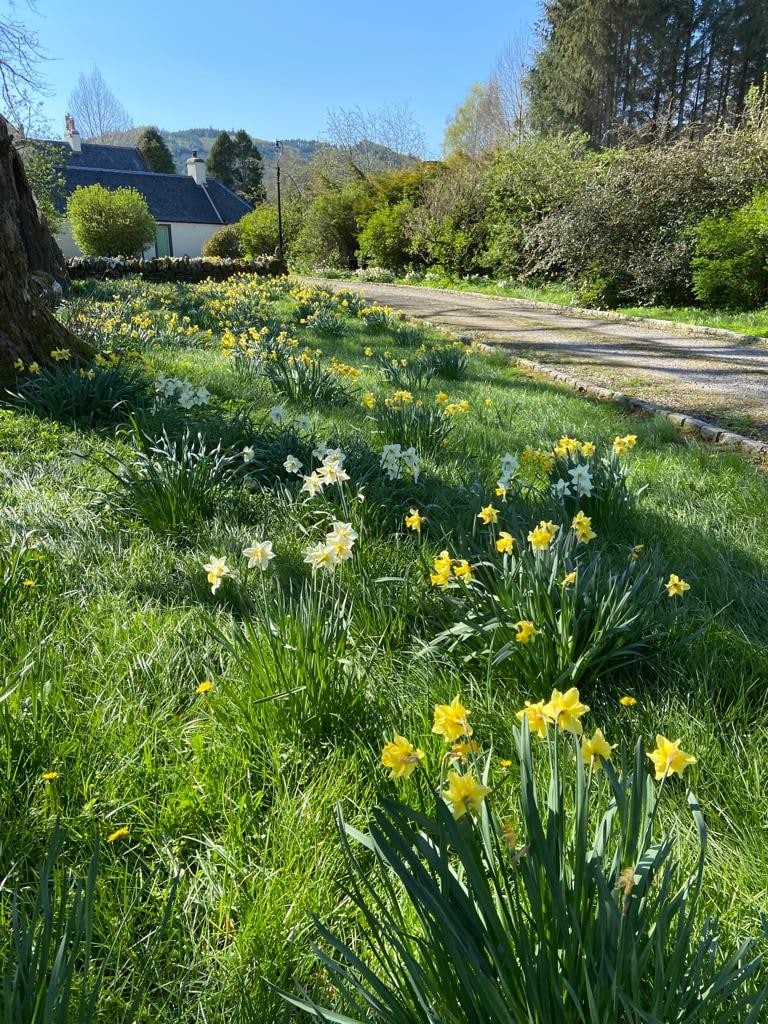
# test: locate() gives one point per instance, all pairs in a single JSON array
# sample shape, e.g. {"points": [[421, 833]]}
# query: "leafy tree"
{"points": [[110, 222], [236, 163], [157, 156]]}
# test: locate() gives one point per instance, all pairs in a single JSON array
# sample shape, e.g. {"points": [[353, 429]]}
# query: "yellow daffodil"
{"points": [[587, 449], [462, 570], [595, 749], [488, 515], [440, 578], [441, 398], [450, 721], [464, 793], [675, 586], [570, 578], [627, 702], [401, 757], [525, 631], [582, 527], [463, 749], [565, 710], [414, 519], [368, 351], [205, 687], [537, 719], [505, 543], [18, 364], [369, 400], [34, 368], [542, 535], [636, 551], [668, 758], [120, 833]]}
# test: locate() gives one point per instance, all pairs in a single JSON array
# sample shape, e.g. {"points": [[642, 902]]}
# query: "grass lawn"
{"points": [[208, 721], [752, 323]]}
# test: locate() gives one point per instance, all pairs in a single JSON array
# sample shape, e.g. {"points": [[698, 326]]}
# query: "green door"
{"points": [[163, 240]]}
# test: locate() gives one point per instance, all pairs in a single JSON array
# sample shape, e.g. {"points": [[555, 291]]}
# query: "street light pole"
{"points": [[279, 250]]}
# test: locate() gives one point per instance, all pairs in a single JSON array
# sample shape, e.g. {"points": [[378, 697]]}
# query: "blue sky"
{"points": [[274, 68]]}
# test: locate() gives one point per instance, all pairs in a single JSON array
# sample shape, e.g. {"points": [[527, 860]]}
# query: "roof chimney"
{"points": [[71, 134], [196, 168]]}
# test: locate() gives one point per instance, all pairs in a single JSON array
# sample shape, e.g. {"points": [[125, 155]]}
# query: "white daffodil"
{"points": [[248, 454], [259, 555], [321, 556], [313, 484], [277, 415], [292, 465]]}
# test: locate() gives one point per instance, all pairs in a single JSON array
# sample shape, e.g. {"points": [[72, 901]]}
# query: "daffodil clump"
{"points": [[504, 854]]}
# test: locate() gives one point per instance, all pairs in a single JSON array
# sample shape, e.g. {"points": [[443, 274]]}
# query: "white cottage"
{"points": [[188, 208]]}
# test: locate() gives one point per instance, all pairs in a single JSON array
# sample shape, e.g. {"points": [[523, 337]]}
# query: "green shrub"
{"points": [[225, 243], [563, 902], [258, 229], [328, 236], [449, 227], [110, 222], [384, 240], [730, 265], [626, 230]]}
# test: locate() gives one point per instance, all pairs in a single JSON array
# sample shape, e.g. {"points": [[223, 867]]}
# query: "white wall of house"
{"points": [[186, 239]]}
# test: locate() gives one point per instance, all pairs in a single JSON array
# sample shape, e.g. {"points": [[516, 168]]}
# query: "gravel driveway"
{"points": [[712, 377]]}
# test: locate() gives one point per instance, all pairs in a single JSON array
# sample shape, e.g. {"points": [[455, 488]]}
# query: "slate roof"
{"points": [[110, 158], [170, 197]]}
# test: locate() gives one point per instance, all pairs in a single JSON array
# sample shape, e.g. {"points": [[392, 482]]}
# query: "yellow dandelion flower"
{"points": [[120, 833]]}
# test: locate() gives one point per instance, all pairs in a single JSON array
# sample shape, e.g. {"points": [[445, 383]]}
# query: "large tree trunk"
{"points": [[28, 329]]}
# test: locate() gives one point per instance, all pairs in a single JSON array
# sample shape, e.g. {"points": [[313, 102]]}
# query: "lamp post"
{"points": [[279, 250]]}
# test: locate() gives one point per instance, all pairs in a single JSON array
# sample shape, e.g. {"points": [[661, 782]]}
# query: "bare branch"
{"points": [[372, 141], [95, 108], [20, 79]]}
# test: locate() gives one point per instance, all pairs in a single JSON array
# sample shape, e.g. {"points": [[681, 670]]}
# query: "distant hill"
{"points": [[182, 142]]}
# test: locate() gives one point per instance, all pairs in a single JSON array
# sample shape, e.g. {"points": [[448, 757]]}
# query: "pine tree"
{"points": [[612, 66], [156, 154], [248, 171], [221, 160]]}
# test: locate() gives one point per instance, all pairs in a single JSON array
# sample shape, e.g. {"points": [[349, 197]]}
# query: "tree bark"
{"points": [[28, 256]]}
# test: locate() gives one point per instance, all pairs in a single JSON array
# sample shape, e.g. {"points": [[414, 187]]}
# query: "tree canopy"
{"points": [[157, 156], [235, 161]]}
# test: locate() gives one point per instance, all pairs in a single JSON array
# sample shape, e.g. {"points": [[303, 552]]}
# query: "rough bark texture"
{"points": [[28, 256]]}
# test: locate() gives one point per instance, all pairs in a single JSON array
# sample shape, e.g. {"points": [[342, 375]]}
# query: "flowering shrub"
{"points": [[563, 902]]}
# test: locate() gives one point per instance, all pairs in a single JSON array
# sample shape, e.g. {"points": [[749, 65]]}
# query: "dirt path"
{"points": [[712, 377]]}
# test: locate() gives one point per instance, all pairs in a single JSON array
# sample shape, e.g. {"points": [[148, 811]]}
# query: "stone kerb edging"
{"points": [[690, 424]]}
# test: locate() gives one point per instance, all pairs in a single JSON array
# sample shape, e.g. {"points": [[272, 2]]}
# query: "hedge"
{"points": [[172, 268]]}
